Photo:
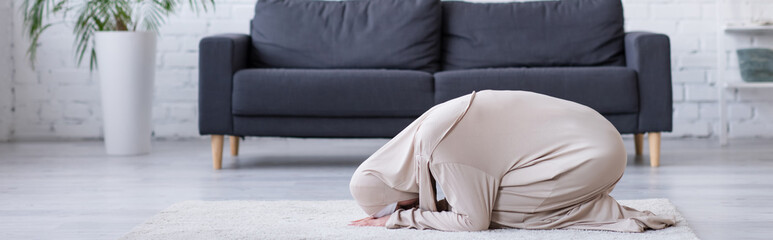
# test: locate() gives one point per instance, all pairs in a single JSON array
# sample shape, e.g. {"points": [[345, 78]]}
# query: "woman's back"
{"points": [[506, 130]]}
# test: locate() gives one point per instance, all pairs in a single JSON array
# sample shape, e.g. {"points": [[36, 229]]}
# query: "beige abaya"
{"points": [[504, 159]]}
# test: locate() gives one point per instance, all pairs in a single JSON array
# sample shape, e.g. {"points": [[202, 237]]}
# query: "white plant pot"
{"points": [[126, 63]]}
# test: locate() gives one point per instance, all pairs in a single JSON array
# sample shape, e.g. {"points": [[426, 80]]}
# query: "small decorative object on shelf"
{"points": [[756, 64]]}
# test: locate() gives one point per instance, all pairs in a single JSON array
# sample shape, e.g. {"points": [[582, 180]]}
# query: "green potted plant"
{"points": [[119, 38]]}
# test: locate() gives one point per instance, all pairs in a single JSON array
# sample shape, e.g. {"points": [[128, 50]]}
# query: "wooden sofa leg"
{"points": [[638, 141], [217, 151], [234, 142], [654, 138]]}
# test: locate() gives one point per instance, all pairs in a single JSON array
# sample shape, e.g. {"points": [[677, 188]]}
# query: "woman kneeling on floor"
{"points": [[504, 159]]}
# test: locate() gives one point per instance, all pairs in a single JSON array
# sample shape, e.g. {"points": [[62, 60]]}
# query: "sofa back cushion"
{"points": [[360, 34], [533, 34]]}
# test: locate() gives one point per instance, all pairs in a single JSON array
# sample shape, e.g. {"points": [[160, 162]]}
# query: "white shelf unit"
{"points": [[723, 86]]}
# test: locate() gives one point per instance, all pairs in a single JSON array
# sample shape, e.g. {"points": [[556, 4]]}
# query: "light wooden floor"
{"points": [[71, 190]]}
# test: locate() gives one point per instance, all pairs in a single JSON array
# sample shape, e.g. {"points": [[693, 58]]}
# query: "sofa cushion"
{"points": [[391, 34], [332, 93], [608, 90], [532, 34]]}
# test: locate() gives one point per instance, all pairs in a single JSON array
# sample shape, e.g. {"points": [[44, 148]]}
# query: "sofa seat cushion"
{"points": [[608, 90], [332, 93], [533, 34], [361, 34], [320, 126]]}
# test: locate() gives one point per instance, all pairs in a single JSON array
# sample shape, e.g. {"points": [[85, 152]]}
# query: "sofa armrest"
{"points": [[650, 55], [220, 56]]}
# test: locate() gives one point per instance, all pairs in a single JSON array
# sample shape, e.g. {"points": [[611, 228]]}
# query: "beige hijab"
{"points": [[399, 170]]}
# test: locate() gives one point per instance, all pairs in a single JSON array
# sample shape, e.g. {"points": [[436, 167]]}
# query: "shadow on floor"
{"points": [[285, 161]]}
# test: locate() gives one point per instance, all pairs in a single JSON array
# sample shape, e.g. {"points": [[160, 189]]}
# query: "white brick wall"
{"points": [[60, 101]]}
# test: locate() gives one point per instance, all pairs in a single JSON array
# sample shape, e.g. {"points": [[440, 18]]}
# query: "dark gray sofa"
{"points": [[368, 68]]}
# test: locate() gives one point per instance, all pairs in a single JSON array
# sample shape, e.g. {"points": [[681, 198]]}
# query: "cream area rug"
{"points": [[329, 219]]}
